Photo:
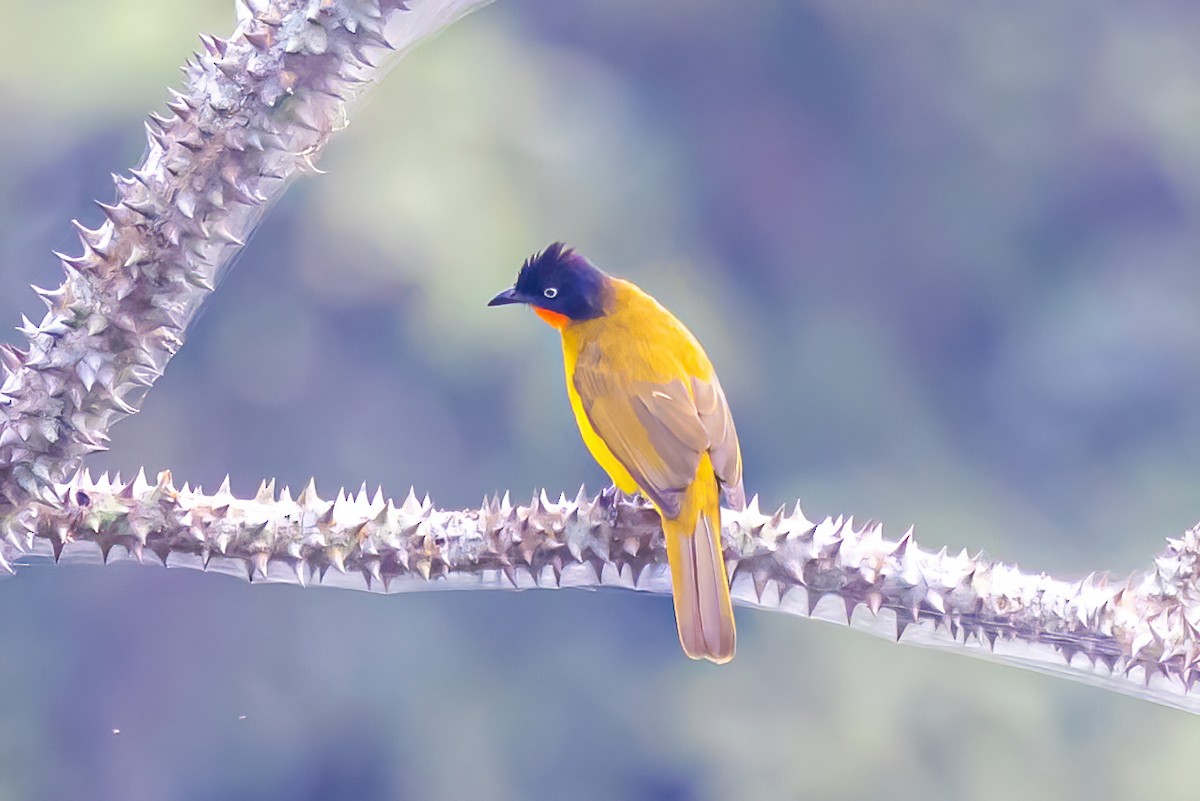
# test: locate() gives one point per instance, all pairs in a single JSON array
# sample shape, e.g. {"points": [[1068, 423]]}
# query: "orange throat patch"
{"points": [[555, 319]]}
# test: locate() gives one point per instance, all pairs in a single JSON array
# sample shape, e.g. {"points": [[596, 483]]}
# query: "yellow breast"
{"points": [[595, 445], [643, 340]]}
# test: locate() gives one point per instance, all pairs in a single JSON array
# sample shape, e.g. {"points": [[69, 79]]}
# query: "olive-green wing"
{"points": [[723, 447], [655, 429]]}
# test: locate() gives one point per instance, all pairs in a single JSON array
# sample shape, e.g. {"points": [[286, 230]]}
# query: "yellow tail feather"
{"points": [[703, 610]]}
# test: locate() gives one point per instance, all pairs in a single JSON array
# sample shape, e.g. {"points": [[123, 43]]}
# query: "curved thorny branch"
{"points": [[255, 110], [1136, 636]]}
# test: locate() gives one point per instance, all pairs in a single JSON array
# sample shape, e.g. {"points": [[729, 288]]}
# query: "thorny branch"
{"points": [[255, 110], [1136, 636]]}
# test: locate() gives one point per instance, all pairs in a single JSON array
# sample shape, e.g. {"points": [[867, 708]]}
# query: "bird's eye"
{"points": [[550, 292]]}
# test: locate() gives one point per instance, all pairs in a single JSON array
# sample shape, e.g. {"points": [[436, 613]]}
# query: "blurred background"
{"points": [[942, 254]]}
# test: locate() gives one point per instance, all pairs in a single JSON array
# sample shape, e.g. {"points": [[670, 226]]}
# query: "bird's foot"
{"points": [[610, 500]]}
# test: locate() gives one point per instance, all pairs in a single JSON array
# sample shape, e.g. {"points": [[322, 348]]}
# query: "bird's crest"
{"points": [[556, 255]]}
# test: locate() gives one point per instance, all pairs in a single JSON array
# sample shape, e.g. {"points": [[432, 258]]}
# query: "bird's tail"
{"points": [[699, 584]]}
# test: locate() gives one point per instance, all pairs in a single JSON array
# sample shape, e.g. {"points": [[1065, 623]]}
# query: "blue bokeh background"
{"points": [[943, 256]]}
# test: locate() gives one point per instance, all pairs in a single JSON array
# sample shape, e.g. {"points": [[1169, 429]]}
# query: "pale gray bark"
{"points": [[254, 111], [1136, 636]]}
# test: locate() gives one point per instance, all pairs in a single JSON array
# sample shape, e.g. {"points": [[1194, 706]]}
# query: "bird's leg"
{"points": [[610, 498]]}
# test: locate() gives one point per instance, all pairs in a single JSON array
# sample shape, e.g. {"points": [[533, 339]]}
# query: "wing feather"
{"points": [[723, 447], [658, 430]]}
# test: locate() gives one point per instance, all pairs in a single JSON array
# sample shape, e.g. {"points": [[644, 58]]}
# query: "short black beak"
{"points": [[509, 295]]}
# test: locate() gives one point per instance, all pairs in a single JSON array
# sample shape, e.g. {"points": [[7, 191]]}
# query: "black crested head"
{"points": [[561, 281]]}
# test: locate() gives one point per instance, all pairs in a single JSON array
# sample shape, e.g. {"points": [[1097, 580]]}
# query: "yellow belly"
{"points": [[600, 452]]}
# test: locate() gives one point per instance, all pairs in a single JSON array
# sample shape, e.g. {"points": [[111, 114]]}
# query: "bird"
{"points": [[652, 413]]}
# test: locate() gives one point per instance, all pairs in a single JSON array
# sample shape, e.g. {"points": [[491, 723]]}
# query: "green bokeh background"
{"points": [[943, 255]]}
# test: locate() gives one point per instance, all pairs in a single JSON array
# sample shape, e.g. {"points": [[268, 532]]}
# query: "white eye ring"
{"points": [[550, 292]]}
